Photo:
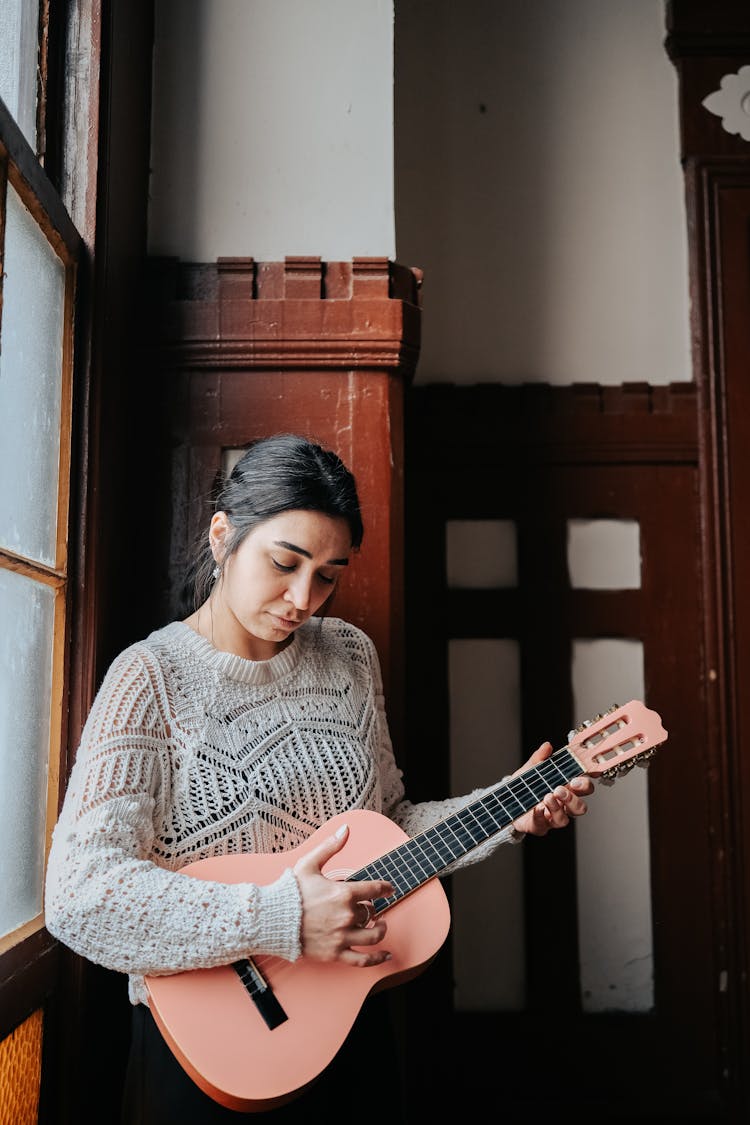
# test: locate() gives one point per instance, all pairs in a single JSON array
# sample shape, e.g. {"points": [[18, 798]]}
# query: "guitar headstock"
{"points": [[612, 743]]}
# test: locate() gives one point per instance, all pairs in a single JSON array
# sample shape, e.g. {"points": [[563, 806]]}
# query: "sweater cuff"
{"points": [[279, 909]]}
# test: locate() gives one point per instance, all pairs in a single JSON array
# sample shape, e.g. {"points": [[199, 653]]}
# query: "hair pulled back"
{"points": [[283, 473]]}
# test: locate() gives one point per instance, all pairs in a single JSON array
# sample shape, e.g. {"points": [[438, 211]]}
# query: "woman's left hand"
{"points": [[559, 807]]}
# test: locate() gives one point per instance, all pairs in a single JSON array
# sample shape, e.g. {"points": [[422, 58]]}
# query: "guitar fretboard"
{"points": [[424, 856]]}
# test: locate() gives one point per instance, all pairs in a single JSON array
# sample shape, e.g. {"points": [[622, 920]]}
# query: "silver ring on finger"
{"points": [[369, 913]]}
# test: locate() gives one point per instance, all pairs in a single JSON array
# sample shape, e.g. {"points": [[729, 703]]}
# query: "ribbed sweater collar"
{"points": [[236, 667]]}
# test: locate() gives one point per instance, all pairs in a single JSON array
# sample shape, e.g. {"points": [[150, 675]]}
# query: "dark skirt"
{"points": [[363, 1082]]}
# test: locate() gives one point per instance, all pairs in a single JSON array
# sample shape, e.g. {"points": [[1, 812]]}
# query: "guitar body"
{"points": [[212, 1024]]}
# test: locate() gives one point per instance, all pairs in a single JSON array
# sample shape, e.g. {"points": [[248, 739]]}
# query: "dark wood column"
{"points": [[709, 44], [242, 349]]}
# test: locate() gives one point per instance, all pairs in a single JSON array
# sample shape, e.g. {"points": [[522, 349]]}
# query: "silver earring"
{"points": [[215, 573]]}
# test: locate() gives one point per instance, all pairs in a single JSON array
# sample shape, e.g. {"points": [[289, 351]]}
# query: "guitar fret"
{"points": [[414, 848], [406, 879], [476, 830], [450, 840], [461, 833], [392, 868], [435, 856], [404, 868]]}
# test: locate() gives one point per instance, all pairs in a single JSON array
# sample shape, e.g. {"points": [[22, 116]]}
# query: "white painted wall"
{"points": [[539, 186], [272, 129]]}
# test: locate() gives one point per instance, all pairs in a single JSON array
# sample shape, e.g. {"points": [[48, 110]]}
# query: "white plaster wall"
{"points": [[272, 129], [539, 187]]}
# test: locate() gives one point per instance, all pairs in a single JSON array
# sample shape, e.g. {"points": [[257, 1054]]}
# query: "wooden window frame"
{"points": [[28, 957]]}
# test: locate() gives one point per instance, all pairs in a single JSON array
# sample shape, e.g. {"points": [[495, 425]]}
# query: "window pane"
{"points": [[604, 554], [489, 969], [613, 854], [27, 613], [30, 387], [19, 51], [481, 554]]}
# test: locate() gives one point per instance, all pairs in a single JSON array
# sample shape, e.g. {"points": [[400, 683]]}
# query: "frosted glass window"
{"points": [[19, 52], [229, 459], [481, 554], [604, 554], [30, 387], [612, 846], [485, 745], [27, 614]]}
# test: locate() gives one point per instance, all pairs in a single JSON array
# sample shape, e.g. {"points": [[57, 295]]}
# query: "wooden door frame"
{"points": [[708, 43]]}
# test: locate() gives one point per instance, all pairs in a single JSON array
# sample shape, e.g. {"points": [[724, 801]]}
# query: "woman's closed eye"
{"points": [[326, 579]]}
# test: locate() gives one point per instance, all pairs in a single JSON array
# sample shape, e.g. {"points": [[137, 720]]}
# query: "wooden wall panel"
{"points": [[539, 456], [20, 1070]]}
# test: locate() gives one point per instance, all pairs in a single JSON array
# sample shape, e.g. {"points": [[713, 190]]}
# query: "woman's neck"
{"points": [[227, 635]]}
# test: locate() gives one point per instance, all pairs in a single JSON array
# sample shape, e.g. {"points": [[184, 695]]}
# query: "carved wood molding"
{"points": [[706, 42], [696, 28], [532, 423], [299, 313]]}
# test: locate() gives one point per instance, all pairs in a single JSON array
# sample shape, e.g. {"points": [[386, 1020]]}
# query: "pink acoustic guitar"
{"points": [[255, 1033]]}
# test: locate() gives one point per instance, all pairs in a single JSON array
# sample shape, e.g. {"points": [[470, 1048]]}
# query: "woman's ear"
{"points": [[217, 534]]}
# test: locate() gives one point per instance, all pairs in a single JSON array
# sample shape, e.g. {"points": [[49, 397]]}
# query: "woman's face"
{"points": [[280, 575]]}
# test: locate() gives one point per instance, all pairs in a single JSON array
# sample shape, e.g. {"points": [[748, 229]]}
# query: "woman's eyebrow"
{"points": [[302, 551]]}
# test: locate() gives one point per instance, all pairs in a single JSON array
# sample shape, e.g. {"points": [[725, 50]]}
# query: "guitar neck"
{"points": [[429, 853]]}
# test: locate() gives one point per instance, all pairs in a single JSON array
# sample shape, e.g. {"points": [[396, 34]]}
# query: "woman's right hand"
{"points": [[334, 913]]}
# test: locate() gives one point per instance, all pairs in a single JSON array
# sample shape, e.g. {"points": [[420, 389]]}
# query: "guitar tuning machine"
{"points": [[589, 722]]}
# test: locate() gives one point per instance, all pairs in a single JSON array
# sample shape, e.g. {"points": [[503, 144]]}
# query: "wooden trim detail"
{"points": [[299, 312], [28, 976], [633, 422]]}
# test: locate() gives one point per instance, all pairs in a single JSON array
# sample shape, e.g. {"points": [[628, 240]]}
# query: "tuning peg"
{"points": [[607, 779]]}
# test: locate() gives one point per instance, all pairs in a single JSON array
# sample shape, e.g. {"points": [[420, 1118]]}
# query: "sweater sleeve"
{"points": [[414, 818], [105, 897]]}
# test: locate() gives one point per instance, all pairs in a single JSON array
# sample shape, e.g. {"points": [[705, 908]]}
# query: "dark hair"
{"points": [[277, 474]]}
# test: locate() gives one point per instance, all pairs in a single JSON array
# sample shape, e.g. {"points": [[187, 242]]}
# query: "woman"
{"points": [[242, 729]]}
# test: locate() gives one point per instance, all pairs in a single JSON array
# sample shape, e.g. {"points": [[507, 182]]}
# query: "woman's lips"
{"points": [[285, 622]]}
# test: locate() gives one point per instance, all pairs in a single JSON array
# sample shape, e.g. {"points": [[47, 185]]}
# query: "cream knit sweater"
{"points": [[189, 752]]}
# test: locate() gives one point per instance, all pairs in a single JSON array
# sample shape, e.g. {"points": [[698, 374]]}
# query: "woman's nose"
{"points": [[298, 591]]}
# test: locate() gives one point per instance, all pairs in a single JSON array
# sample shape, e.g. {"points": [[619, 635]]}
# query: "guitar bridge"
{"points": [[260, 992]]}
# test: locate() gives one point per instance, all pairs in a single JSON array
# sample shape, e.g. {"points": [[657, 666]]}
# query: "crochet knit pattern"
{"points": [[189, 752]]}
